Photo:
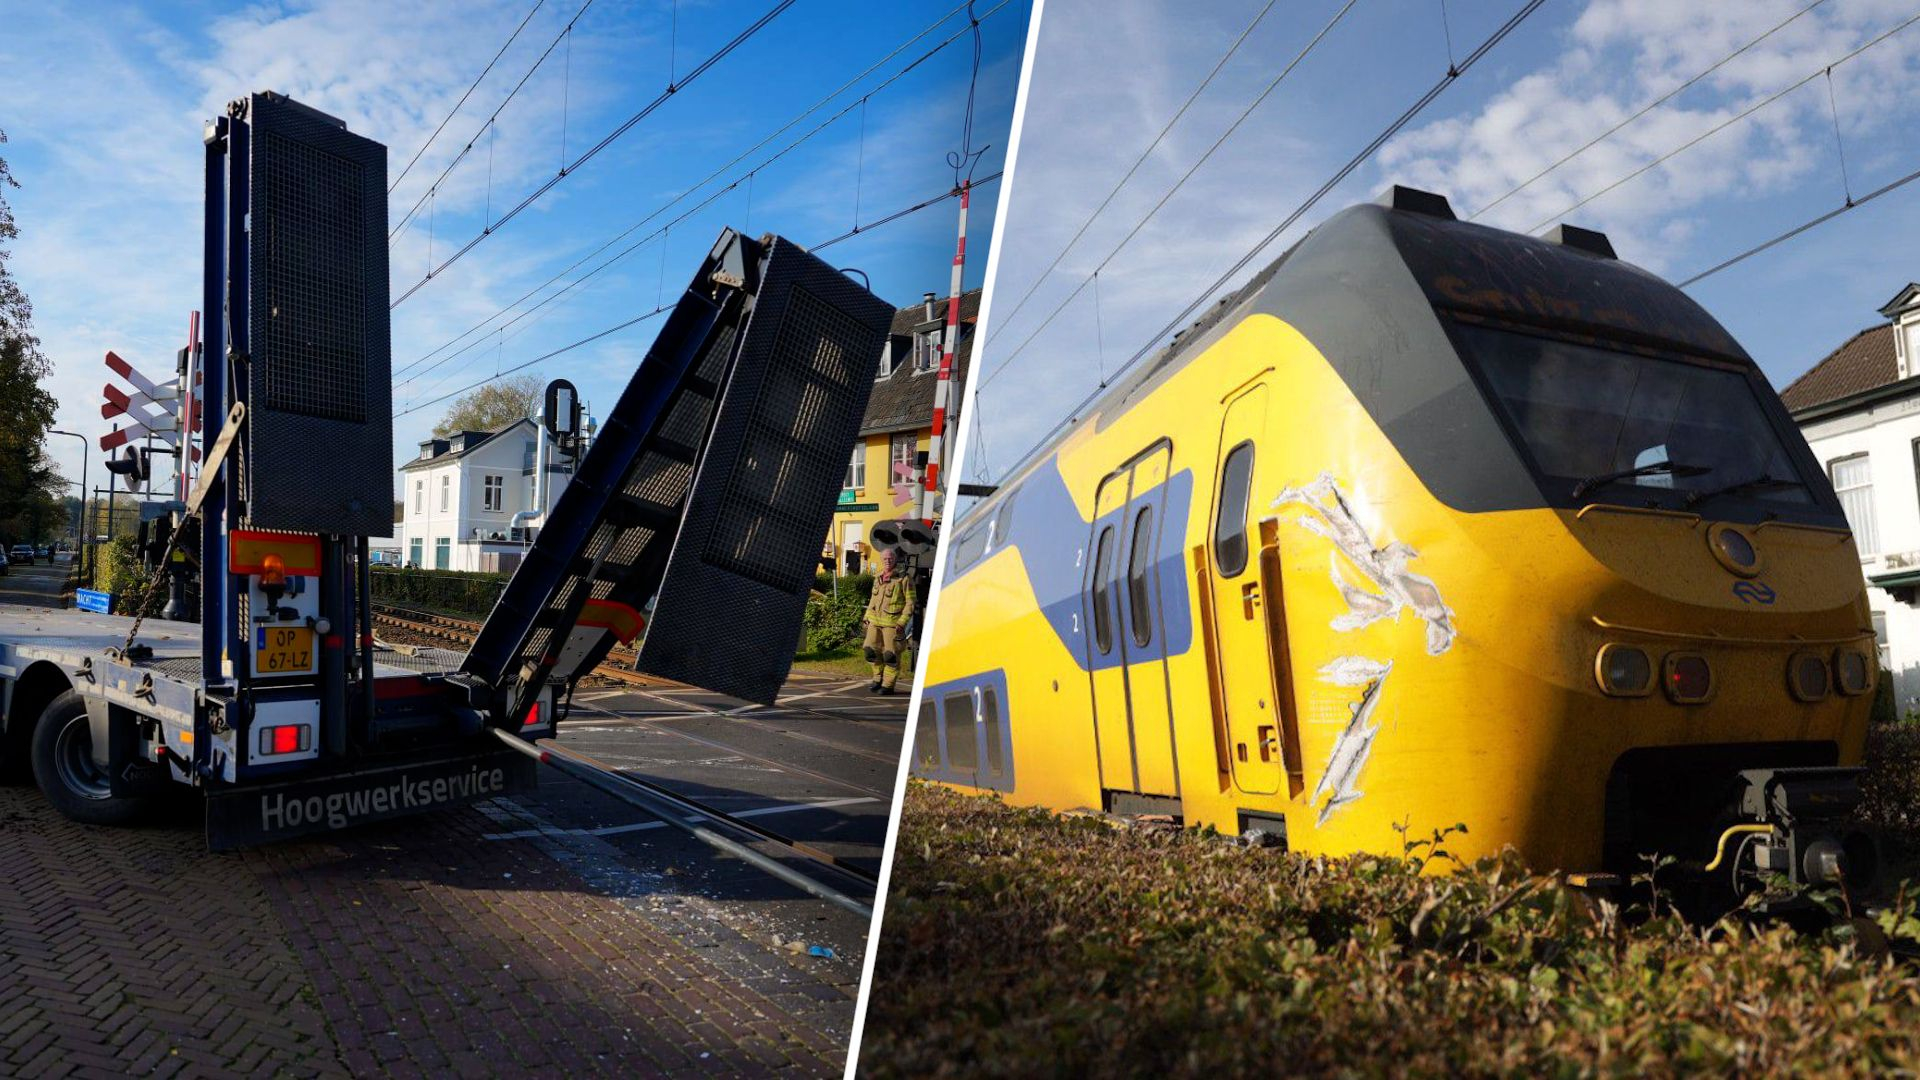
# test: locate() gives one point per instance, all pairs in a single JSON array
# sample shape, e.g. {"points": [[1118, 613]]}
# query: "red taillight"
{"points": [[533, 717], [1689, 680], [283, 739]]}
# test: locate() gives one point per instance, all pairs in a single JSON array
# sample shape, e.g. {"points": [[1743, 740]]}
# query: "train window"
{"points": [[969, 546], [990, 732], [963, 747], [1103, 592], [1590, 415], [1003, 522], [1138, 563], [926, 739], [1230, 531]]}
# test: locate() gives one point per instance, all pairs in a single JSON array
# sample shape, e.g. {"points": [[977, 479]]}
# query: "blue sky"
{"points": [[102, 105], [1107, 77]]}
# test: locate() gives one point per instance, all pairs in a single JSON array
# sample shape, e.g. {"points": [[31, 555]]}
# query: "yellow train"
{"points": [[1430, 523]]}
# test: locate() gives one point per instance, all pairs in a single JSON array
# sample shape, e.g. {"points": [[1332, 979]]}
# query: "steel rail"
{"points": [[686, 816]]}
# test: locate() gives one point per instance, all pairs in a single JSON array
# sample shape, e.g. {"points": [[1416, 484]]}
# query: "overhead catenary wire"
{"points": [[661, 306], [434, 187], [568, 170], [1724, 124], [964, 159], [1180, 183], [1135, 167], [1803, 227], [643, 240], [1453, 74], [723, 169], [1644, 110], [444, 121]]}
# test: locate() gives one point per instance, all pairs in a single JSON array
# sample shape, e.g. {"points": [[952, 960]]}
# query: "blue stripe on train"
{"points": [[1054, 542]]}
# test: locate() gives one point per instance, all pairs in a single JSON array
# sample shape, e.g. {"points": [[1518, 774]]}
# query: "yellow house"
{"points": [[890, 455]]}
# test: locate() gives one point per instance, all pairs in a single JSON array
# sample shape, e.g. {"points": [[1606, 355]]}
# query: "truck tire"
{"points": [[63, 766]]}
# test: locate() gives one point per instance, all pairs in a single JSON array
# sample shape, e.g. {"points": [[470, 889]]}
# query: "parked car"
{"points": [[4, 567], [46, 553], [22, 553]]}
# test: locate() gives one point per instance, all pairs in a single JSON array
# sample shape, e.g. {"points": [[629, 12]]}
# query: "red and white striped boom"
{"points": [[942, 387]]}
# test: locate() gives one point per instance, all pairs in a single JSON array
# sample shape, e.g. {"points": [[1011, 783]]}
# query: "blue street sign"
{"points": [[93, 600]]}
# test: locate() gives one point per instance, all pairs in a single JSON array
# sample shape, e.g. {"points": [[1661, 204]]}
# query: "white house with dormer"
{"points": [[1859, 409], [474, 499]]}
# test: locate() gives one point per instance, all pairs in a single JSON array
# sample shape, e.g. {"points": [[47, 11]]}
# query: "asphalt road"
{"points": [[38, 585]]}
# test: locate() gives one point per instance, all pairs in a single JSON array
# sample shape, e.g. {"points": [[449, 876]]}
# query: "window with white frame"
{"points": [[446, 491], [419, 496], [1853, 482], [1880, 640], [856, 469], [926, 350], [904, 448], [494, 494]]}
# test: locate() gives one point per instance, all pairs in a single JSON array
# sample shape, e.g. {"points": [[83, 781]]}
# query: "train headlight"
{"points": [[1734, 549], [1688, 678], [1851, 673], [1808, 677], [1623, 671]]}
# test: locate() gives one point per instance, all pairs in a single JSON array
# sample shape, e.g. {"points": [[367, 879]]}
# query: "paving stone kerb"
{"points": [[407, 949]]}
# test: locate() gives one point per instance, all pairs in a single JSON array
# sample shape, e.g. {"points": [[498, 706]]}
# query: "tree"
{"points": [[493, 406], [28, 482]]}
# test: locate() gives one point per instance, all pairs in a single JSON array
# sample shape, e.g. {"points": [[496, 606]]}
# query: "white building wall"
{"points": [[466, 522], [1886, 433]]}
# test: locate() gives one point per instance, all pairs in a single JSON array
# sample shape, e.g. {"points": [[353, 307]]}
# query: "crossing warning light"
{"points": [[133, 463]]}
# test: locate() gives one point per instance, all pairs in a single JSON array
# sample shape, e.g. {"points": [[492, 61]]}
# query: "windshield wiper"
{"points": [[1762, 481], [1655, 468]]}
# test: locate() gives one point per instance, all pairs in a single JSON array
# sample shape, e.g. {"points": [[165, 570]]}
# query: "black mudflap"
{"points": [[268, 812]]}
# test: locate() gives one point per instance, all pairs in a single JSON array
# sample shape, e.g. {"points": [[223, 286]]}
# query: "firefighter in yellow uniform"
{"points": [[888, 610]]}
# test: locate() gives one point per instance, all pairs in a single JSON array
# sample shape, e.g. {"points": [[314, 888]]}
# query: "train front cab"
{"points": [[1390, 583]]}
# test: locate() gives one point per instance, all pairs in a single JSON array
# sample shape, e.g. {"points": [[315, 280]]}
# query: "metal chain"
{"points": [[153, 587]]}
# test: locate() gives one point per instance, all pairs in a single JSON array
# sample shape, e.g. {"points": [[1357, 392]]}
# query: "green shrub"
{"points": [[121, 574], [833, 622], [1017, 941], [454, 592]]}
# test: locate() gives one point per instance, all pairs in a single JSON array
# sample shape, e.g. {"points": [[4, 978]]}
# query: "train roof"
{"points": [[1364, 286]]}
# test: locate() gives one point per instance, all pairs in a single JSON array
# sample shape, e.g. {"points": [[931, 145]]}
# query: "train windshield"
{"points": [[1612, 422]]}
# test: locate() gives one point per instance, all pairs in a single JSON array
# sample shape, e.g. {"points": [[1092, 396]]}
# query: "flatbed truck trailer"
{"points": [[104, 735], [688, 530]]}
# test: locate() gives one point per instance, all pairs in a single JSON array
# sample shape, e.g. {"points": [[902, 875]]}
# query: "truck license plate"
{"points": [[284, 649]]}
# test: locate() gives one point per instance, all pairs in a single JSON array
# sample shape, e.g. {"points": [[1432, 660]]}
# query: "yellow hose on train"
{"points": [[1720, 850]]}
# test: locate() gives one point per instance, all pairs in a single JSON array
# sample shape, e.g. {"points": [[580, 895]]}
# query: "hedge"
{"points": [[833, 622], [459, 592]]}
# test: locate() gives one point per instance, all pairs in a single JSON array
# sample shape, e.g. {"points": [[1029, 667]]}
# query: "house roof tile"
{"points": [[1865, 362]]}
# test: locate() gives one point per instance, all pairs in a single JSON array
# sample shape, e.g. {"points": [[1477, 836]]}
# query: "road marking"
{"points": [[641, 826]]}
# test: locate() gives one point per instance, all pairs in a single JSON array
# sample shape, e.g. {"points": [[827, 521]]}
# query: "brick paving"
{"points": [[408, 949]]}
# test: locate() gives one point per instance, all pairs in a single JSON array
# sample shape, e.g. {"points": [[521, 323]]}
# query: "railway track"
{"points": [[458, 631], [616, 781]]}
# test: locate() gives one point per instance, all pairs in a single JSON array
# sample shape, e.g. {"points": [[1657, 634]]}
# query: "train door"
{"points": [[1107, 673], [1132, 713], [1243, 563]]}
